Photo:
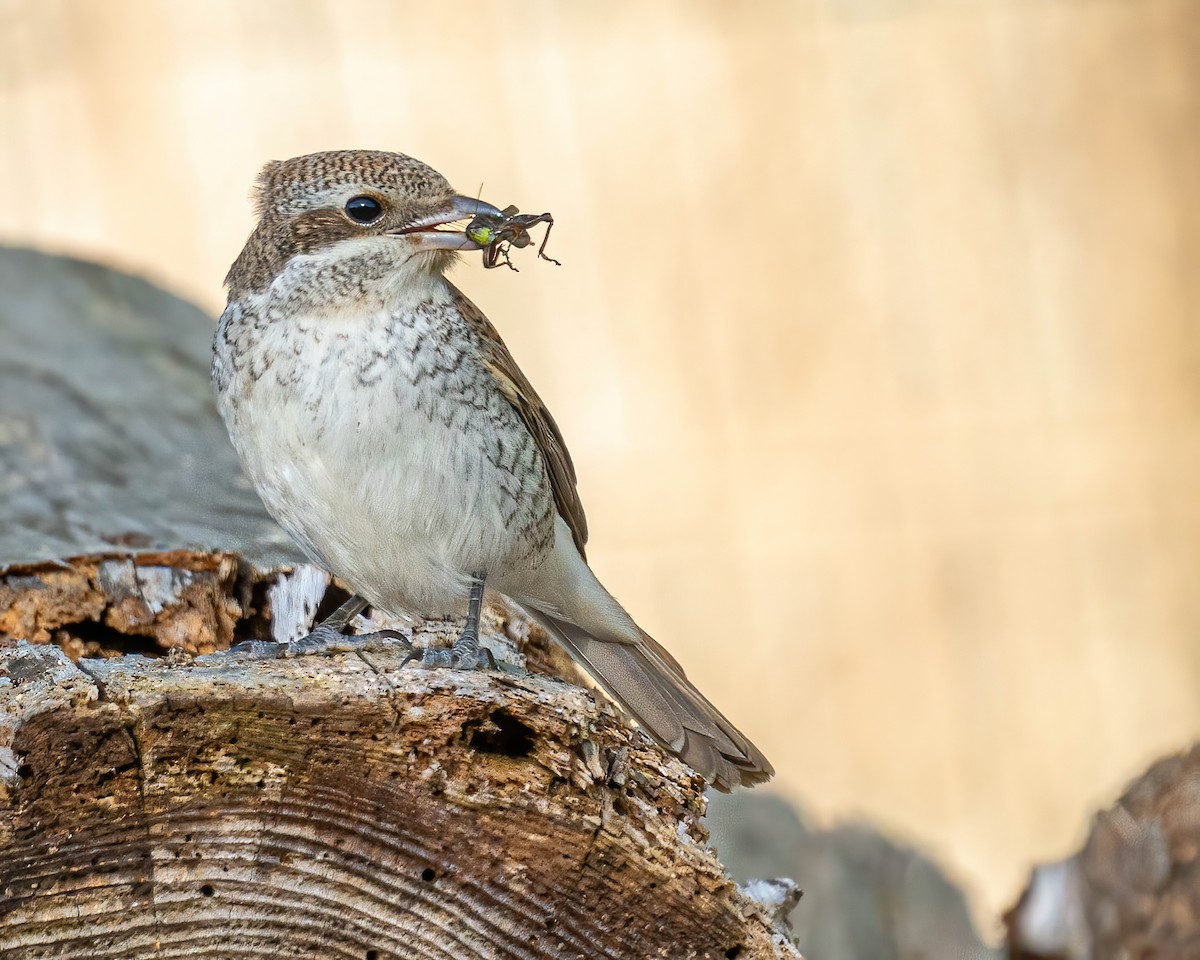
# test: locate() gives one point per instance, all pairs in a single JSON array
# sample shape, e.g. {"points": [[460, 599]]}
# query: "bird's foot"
{"points": [[247, 649], [466, 654], [322, 642]]}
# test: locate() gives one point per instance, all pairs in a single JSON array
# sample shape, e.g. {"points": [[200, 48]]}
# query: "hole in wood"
{"points": [[501, 734], [105, 640]]}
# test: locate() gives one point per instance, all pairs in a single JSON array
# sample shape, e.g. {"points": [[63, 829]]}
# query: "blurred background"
{"points": [[875, 339]]}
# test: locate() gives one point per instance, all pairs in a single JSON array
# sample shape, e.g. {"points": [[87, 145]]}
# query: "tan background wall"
{"points": [[875, 340]]}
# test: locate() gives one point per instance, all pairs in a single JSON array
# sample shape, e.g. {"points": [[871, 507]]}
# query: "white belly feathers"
{"points": [[375, 445]]}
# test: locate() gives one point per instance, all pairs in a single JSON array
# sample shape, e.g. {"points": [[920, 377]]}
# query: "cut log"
{"points": [[344, 807]]}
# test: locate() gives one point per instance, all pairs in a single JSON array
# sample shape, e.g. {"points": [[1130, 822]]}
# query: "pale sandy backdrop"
{"points": [[875, 338]]}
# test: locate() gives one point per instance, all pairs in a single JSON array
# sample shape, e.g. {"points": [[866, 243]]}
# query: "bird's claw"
{"points": [[466, 654], [251, 650], [324, 641]]}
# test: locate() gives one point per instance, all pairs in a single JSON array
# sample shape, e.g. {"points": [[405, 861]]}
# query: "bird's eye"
{"points": [[364, 210]]}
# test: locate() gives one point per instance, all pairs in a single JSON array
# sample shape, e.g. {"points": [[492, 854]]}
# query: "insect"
{"points": [[497, 236]]}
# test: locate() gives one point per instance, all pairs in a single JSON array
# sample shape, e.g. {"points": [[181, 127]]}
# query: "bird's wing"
{"points": [[537, 419]]}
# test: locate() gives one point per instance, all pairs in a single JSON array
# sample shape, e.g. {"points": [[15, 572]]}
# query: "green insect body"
{"points": [[482, 233]]}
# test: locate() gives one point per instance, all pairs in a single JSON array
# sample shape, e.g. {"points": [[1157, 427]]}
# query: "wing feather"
{"points": [[518, 391]]}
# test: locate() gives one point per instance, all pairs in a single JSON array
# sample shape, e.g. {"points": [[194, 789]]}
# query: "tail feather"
{"points": [[652, 687]]}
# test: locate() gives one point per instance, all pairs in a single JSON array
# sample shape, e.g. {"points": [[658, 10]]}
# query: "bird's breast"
{"points": [[383, 445]]}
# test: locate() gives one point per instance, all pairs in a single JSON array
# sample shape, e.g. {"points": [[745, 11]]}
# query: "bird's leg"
{"points": [[344, 614], [466, 654], [323, 636]]}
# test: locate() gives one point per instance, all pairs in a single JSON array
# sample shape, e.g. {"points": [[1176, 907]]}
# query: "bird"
{"points": [[390, 432]]}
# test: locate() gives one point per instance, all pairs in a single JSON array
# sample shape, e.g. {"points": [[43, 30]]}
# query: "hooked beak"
{"points": [[425, 233]]}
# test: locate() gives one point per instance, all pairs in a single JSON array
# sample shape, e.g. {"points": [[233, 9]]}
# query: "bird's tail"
{"points": [[652, 687]]}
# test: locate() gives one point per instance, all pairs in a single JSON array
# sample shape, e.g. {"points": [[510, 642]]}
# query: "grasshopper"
{"points": [[498, 236]]}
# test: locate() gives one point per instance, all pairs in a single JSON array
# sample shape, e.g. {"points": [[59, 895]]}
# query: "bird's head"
{"points": [[386, 205]]}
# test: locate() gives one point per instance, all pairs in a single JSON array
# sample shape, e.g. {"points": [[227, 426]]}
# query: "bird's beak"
{"points": [[442, 229]]}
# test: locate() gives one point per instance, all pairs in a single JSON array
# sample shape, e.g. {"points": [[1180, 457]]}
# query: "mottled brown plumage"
{"points": [[289, 224], [518, 391]]}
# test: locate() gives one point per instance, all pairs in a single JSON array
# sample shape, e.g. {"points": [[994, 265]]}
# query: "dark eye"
{"points": [[364, 210]]}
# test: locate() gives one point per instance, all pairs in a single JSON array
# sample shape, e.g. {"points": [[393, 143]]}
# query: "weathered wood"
{"points": [[122, 602], [1134, 888], [344, 807], [109, 441]]}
